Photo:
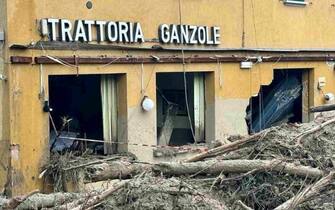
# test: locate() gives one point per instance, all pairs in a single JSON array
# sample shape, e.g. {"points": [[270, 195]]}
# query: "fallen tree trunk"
{"points": [[39, 200], [324, 108], [116, 170], [16, 201], [125, 169], [308, 193], [228, 147], [235, 166]]}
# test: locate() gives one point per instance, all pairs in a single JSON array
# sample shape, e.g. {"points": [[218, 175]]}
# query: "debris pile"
{"points": [[291, 166]]}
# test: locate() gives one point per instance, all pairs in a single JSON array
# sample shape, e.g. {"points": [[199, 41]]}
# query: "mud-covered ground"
{"points": [[265, 190], [256, 190], [259, 190]]}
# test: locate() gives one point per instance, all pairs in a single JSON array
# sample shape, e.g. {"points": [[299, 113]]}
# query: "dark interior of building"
{"points": [[279, 102], [172, 117], [76, 107]]}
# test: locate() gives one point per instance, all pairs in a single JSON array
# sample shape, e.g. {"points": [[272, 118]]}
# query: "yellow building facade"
{"points": [[236, 49]]}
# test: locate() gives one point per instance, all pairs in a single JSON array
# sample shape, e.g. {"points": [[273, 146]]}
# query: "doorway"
{"points": [[180, 113]]}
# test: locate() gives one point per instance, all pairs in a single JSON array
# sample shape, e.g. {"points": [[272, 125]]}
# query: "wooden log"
{"points": [[116, 170], [324, 108], [228, 147], [235, 166], [16, 201], [39, 200], [308, 193]]}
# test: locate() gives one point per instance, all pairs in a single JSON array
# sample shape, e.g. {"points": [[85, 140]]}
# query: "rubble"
{"points": [[291, 166]]}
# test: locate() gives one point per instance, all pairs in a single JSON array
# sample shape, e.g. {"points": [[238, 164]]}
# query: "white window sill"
{"points": [[297, 3]]}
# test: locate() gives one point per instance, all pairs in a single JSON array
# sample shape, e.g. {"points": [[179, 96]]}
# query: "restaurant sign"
{"points": [[126, 32]]}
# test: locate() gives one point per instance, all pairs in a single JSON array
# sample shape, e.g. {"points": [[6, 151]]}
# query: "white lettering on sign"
{"points": [[65, 30], [101, 28], [53, 23], [186, 34], [79, 32], [126, 32], [83, 30]]}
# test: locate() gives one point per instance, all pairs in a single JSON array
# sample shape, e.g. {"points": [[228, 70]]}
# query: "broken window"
{"points": [[279, 102], [84, 113], [174, 118]]}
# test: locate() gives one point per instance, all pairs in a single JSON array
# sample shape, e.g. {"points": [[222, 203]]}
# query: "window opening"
{"points": [[173, 127], [83, 107], [279, 102]]}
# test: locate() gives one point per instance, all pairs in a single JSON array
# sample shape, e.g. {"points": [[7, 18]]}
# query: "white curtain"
{"points": [[109, 112], [199, 107]]}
